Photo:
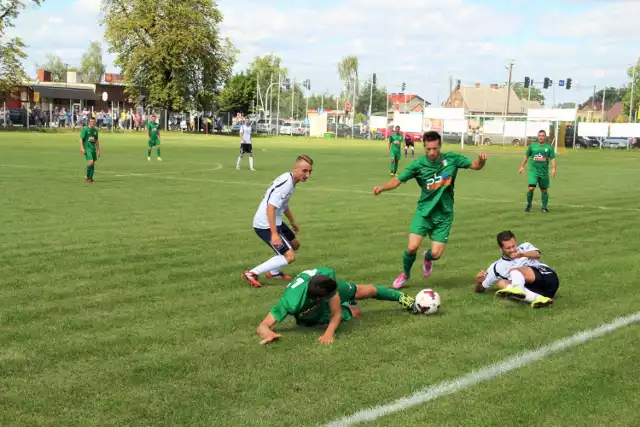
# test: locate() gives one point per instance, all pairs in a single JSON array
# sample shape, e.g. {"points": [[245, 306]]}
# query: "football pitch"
{"points": [[121, 301]]}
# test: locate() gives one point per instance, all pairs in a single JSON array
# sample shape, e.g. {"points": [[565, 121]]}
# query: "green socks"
{"points": [[158, 152], [407, 262], [392, 167], [428, 256], [149, 152], [545, 199], [89, 171], [387, 294], [529, 198]]}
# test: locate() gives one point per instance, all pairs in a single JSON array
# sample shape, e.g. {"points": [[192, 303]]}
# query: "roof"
{"points": [[487, 99], [614, 111], [399, 98], [64, 92], [528, 105]]}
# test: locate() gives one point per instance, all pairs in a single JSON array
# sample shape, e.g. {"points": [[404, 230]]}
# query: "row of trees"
{"points": [[91, 67]]}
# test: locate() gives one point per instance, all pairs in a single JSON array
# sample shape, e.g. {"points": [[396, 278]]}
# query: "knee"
{"points": [[290, 256], [295, 245], [412, 249], [544, 190], [436, 253], [531, 189], [91, 162]]}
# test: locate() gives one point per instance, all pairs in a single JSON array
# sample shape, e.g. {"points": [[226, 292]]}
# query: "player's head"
{"points": [[432, 144], [302, 168], [397, 129], [542, 136], [321, 287], [507, 241], [92, 122]]}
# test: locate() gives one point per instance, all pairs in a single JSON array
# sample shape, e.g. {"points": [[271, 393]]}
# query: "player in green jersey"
{"points": [[153, 133], [395, 149], [435, 173], [541, 153], [315, 297], [90, 147]]}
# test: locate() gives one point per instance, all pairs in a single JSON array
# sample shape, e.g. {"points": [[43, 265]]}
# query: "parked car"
{"points": [[581, 142], [616, 143], [342, 130]]}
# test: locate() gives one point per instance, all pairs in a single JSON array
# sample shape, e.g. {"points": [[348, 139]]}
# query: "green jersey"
{"points": [[89, 135], [396, 141], [436, 179], [540, 155], [153, 129], [295, 302]]}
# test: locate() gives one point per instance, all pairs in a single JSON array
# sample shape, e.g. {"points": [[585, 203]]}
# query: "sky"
{"points": [[420, 42]]}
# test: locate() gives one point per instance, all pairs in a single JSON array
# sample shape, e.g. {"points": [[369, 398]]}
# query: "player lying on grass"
{"points": [[315, 297], [519, 273]]}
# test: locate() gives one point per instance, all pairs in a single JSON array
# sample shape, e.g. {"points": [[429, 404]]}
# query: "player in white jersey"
{"points": [[269, 226], [246, 146], [519, 274]]}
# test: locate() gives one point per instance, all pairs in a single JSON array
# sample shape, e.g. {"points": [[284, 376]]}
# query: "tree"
{"points": [[626, 99], [11, 49], [170, 51], [266, 70], [378, 99], [328, 102], [613, 96], [55, 66], [238, 93], [348, 73], [91, 65], [523, 93]]}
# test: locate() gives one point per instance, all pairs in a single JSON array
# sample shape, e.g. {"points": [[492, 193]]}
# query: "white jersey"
{"points": [[500, 269], [245, 134], [278, 194]]}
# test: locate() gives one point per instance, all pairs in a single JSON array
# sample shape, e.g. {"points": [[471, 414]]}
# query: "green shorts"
{"points": [[322, 315], [395, 154], [90, 152], [437, 227], [539, 180], [154, 142]]}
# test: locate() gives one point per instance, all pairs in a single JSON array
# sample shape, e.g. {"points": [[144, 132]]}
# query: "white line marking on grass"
{"points": [[492, 371], [217, 167], [354, 191]]}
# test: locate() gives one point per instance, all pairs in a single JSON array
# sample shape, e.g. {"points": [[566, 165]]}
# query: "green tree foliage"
{"points": [[328, 102], [170, 51], [56, 67], [11, 49], [238, 93], [348, 73], [378, 100], [91, 65], [265, 70], [613, 95], [626, 99], [523, 93]]}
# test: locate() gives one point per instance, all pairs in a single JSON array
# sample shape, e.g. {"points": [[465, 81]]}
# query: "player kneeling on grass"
{"points": [[315, 297], [519, 274]]}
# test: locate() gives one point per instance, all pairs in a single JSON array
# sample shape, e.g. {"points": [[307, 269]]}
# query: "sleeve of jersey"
{"points": [[463, 162], [83, 133], [408, 173], [553, 153], [526, 247], [491, 277], [281, 310], [327, 271], [528, 152], [278, 196]]}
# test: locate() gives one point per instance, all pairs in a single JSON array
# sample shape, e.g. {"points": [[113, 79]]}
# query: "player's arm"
{"points": [[485, 279], [553, 167], [82, 134], [525, 159], [291, 219], [336, 318], [392, 184], [265, 331], [271, 217], [98, 146], [479, 163], [534, 254]]}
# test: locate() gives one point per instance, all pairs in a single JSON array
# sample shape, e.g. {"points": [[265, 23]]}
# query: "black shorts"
{"points": [[286, 235], [246, 149], [409, 143], [546, 283]]}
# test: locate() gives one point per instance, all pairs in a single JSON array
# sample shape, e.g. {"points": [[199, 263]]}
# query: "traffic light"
{"points": [[373, 79], [404, 86], [527, 82], [547, 82], [307, 84], [568, 84], [458, 83]]}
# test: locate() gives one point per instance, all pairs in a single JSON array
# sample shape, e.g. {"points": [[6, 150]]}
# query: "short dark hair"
{"points": [[321, 287], [431, 136], [503, 236], [543, 131], [305, 158]]}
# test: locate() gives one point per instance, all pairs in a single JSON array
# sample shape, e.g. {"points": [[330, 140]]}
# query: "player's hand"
{"points": [[98, 154], [515, 255], [325, 339], [270, 338], [553, 172], [377, 191], [482, 274], [276, 241], [521, 171], [483, 157], [295, 227], [82, 150]]}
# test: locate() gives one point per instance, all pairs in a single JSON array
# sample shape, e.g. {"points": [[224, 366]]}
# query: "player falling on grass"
{"points": [[153, 134], [316, 298], [435, 173], [408, 142], [395, 146], [541, 153], [269, 226], [245, 144], [90, 147], [519, 274]]}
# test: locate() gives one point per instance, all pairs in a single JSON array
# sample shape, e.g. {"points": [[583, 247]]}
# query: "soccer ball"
{"points": [[428, 301]]}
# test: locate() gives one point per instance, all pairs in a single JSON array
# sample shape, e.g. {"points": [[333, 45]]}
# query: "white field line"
{"points": [[485, 374]]}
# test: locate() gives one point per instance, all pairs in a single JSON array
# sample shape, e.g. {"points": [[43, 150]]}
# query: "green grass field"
{"points": [[121, 301]]}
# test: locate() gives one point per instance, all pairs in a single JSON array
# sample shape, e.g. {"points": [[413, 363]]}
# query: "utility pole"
{"points": [[633, 80], [509, 87]]}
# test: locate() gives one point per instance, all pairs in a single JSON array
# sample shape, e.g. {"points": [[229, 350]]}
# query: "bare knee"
{"points": [[531, 189], [544, 190], [412, 248], [295, 245], [290, 256], [91, 162]]}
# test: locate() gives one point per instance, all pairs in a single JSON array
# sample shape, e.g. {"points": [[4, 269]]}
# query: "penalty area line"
{"points": [[485, 374]]}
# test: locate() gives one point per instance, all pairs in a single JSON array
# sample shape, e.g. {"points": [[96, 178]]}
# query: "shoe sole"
{"points": [[507, 295], [542, 304], [255, 285]]}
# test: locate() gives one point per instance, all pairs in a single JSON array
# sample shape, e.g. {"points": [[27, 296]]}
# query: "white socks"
{"points": [[238, 162], [274, 264], [251, 161], [517, 280]]}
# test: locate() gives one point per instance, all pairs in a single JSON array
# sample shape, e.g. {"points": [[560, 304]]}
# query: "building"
{"points": [[489, 100], [405, 103], [592, 112]]}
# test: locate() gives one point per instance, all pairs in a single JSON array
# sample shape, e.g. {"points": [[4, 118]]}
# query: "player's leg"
{"points": [[525, 281], [249, 149], [290, 236], [439, 235], [406, 149], [396, 163], [384, 294], [239, 158], [285, 255], [544, 189], [392, 164], [420, 226], [158, 151], [533, 181], [149, 149], [413, 151]]}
